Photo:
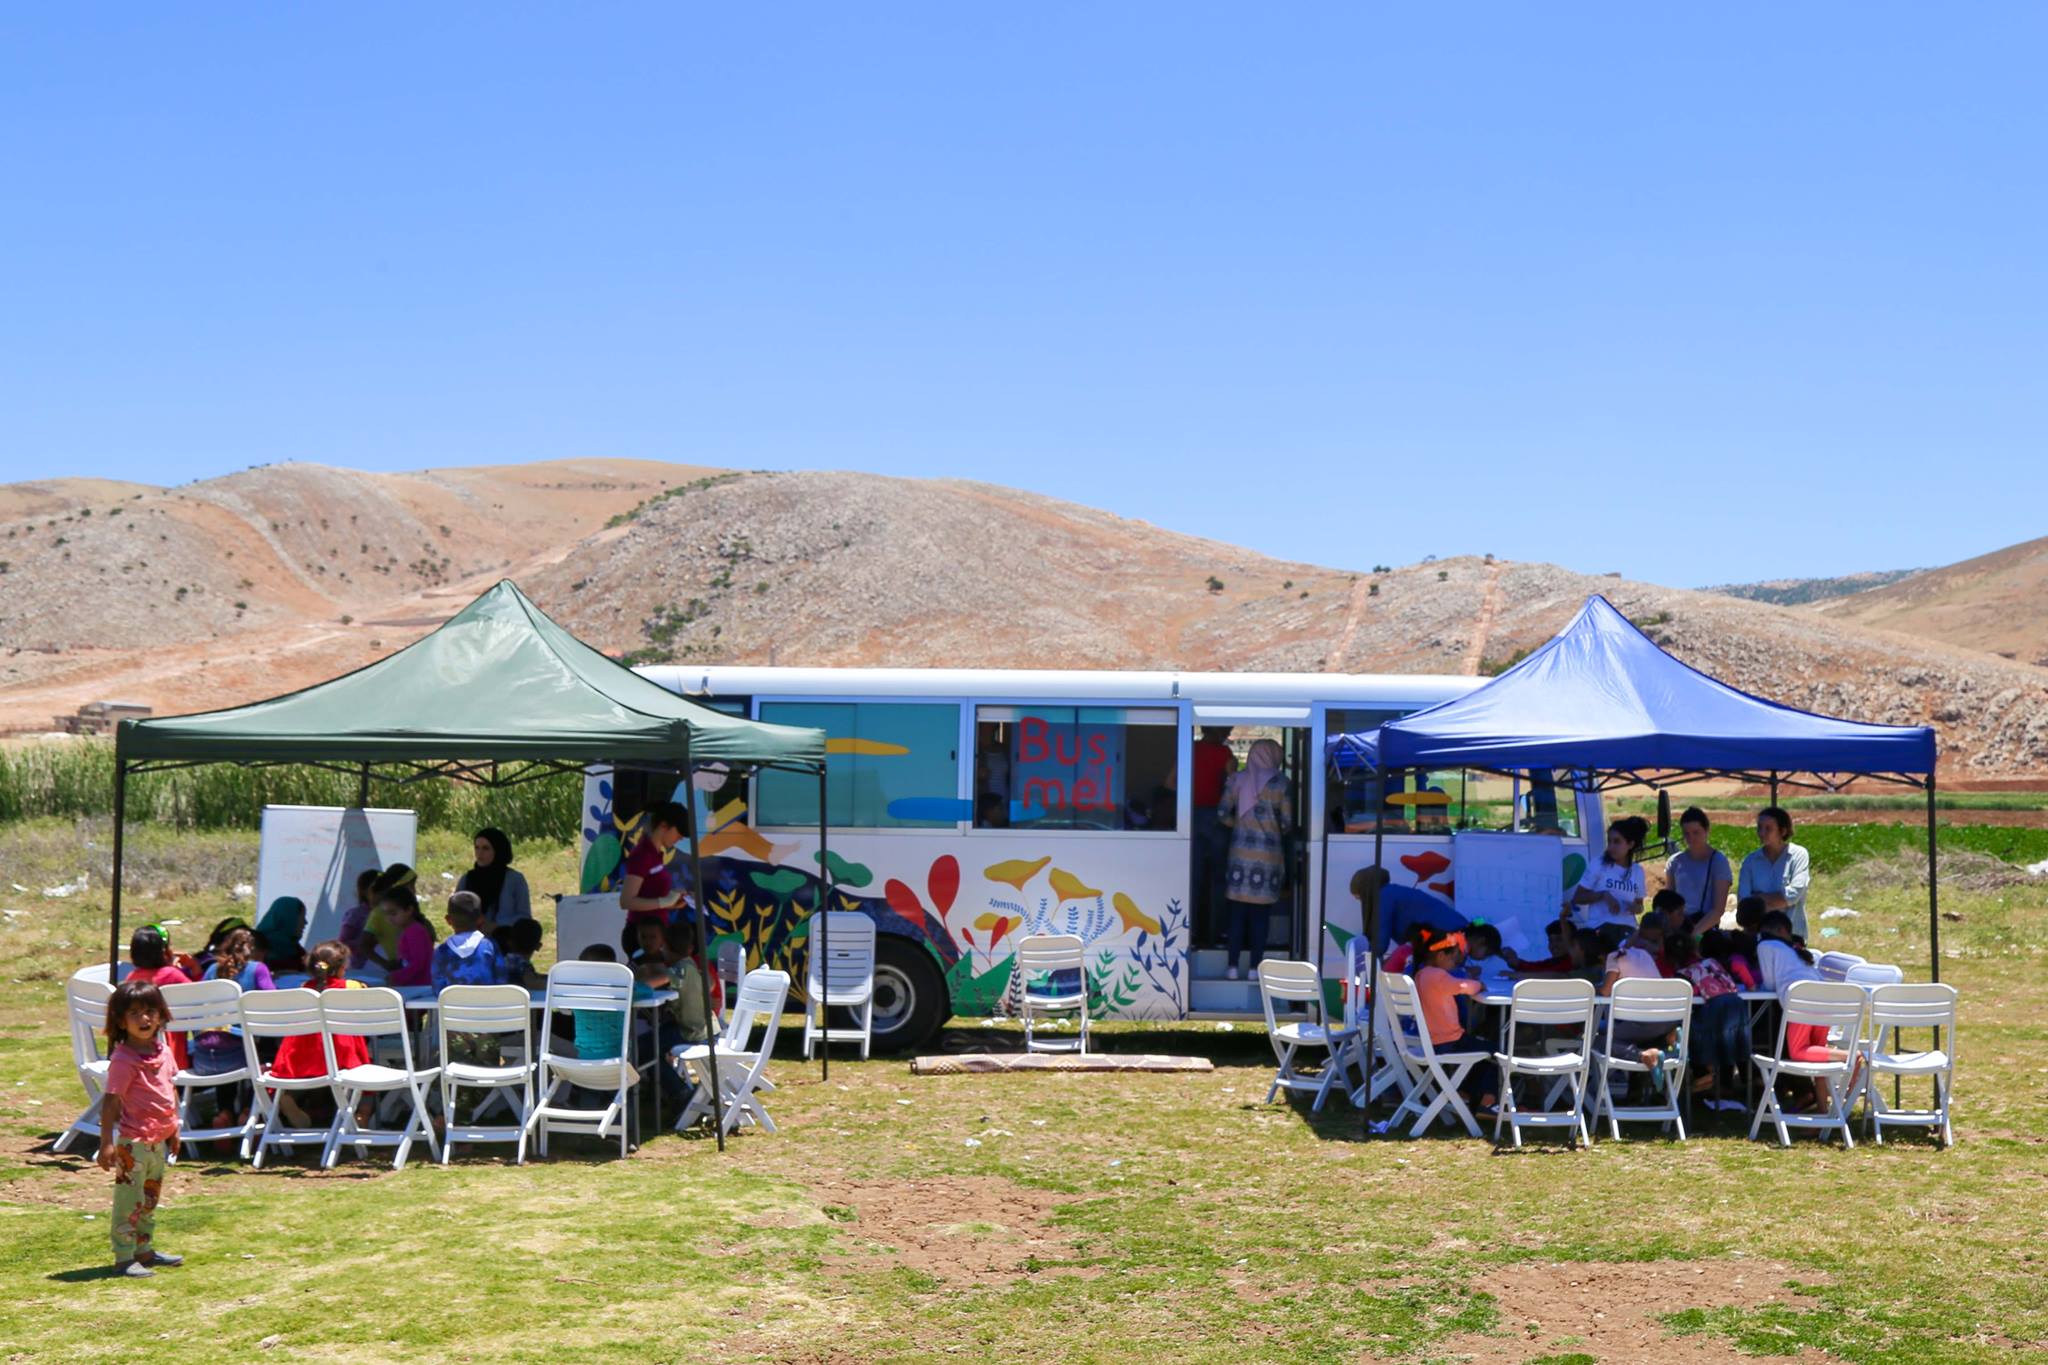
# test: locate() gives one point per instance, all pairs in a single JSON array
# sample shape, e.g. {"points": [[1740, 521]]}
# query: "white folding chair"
{"points": [[742, 1063], [1394, 1070], [85, 1002], [1566, 1003], [277, 1015], [1436, 1078], [1834, 966], [1298, 983], [1839, 1008], [848, 972], [375, 1013], [601, 988], [503, 1012], [1044, 965], [1664, 1003], [1871, 975], [207, 1007], [1895, 1007]]}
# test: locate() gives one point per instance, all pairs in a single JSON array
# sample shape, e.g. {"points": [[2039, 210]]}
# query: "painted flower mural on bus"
{"points": [[1137, 962]]}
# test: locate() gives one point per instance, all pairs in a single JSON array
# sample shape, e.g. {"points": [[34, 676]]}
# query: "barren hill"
{"points": [[118, 590], [816, 568], [295, 573], [1993, 602]]}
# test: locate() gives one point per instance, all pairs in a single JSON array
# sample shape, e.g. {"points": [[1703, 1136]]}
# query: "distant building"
{"points": [[100, 717]]}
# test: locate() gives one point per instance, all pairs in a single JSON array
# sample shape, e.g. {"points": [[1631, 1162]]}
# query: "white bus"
{"points": [[967, 808]]}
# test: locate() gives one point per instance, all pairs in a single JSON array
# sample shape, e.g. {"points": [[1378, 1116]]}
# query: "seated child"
{"points": [[150, 951], [1558, 963], [1784, 961], [517, 942], [1638, 958], [598, 1033], [1436, 997], [1720, 1019], [467, 957], [305, 1055], [1669, 906], [1749, 913], [1484, 961], [355, 921]]}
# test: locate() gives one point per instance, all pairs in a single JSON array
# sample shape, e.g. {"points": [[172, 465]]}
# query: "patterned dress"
{"points": [[1257, 873]]}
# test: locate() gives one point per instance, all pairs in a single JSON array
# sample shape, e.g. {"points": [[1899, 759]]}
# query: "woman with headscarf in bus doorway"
{"points": [[1258, 810], [500, 887]]}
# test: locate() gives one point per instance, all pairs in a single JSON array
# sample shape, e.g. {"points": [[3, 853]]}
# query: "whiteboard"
{"points": [[315, 853], [1514, 882], [583, 920]]}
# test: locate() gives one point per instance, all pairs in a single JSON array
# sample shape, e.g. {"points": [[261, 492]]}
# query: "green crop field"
{"points": [[1070, 1218]]}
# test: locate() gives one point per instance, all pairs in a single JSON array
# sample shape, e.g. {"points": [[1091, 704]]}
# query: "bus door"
{"points": [[1287, 923]]}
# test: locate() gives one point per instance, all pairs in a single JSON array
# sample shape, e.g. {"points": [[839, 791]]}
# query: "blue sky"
{"points": [[1695, 296]]}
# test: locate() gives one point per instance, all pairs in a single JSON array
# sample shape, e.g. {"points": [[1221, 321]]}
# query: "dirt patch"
{"points": [[1609, 1310], [961, 1230]]}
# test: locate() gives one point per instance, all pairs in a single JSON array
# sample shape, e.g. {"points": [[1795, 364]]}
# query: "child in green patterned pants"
{"points": [[138, 1123]]}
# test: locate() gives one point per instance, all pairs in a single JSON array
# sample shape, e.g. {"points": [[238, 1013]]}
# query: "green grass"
{"points": [[1098, 1218], [1909, 802]]}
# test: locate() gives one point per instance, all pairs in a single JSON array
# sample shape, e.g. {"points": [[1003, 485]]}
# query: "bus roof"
{"points": [[1406, 691]]}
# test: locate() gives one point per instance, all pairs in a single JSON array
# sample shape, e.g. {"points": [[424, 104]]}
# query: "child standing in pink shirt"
{"points": [[138, 1123]]}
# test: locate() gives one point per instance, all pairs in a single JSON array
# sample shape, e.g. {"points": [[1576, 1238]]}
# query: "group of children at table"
{"points": [[1604, 936]]}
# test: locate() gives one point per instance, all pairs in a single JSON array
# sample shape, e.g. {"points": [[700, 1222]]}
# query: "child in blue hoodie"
{"points": [[467, 957]]}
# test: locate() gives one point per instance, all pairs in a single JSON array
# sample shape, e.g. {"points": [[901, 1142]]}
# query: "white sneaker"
{"points": [[1230, 973]]}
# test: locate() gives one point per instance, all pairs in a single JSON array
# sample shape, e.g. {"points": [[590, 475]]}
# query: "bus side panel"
{"points": [[967, 899], [973, 897]]}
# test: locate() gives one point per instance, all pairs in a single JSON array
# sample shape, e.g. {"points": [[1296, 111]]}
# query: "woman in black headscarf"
{"points": [[495, 882]]}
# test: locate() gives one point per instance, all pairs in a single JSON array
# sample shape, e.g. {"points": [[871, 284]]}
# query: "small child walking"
{"points": [[138, 1123]]}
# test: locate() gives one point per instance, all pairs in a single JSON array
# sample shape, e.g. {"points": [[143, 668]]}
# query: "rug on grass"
{"points": [[980, 1063]]}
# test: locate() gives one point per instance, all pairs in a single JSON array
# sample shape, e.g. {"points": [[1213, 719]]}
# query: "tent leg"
{"points": [[703, 961], [824, 948], [120, 821], [363, 794], [1369, 924], [1933, 900], [1323, 903], [1774, 789]]}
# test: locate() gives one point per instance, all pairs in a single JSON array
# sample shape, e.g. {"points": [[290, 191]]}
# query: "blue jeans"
{"points": [[1720, 1032]]}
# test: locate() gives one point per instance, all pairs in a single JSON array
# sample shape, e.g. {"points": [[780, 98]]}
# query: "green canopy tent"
{"points": [[498, 684]]}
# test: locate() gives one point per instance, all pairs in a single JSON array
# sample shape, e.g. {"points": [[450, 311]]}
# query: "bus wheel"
{"points": [[910, 995]]}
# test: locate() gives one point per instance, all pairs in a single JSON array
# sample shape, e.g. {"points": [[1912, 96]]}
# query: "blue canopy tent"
{"points": [[1604, 701]]}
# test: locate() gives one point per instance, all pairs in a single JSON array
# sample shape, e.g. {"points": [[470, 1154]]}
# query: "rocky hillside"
{"points": [[1993, 602], [1795, 592], [856, 569], [254, 584]]}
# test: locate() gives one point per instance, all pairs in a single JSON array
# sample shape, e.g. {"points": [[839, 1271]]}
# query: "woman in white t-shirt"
{"points": [[1611, 892]]}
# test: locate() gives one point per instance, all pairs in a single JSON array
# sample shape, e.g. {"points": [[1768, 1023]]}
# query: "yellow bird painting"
{"points": [[1016, 871], [1133, 917], [1068, 887]]}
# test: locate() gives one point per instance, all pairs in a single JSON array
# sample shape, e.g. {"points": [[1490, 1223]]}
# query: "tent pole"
{"points": [[1933, 901], [1322, 828], [363, 790], [120, 819], [1369, 922], [703, 957], [824, 947], [1774, 789]]}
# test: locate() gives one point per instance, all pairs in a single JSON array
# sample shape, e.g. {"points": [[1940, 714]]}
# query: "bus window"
{"points": [[1547, 808], [1427, 802], [1069, 767], [888, 765]]}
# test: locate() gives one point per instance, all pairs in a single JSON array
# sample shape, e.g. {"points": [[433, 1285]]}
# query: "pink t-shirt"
{"points": [[149, 1102], [415, 956], [1437, 992]]}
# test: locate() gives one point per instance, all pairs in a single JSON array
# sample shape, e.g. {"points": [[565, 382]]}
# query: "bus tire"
{"points": [[911, 1001]]}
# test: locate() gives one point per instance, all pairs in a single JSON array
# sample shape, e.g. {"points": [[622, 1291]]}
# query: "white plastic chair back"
{"points": [[97, 971], [371, 1012], [484, 1009], [594, 987], [1834, 1005], [1566, 1002], [203, 1006], [732, 965], [762, 994], [1043, 955], [849, 961], [86, 1002], [1834, 966], [1638, 1000], [364, 1012], [602, 986], [1917, 1005], [280, 1014], [1873, 974]]}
